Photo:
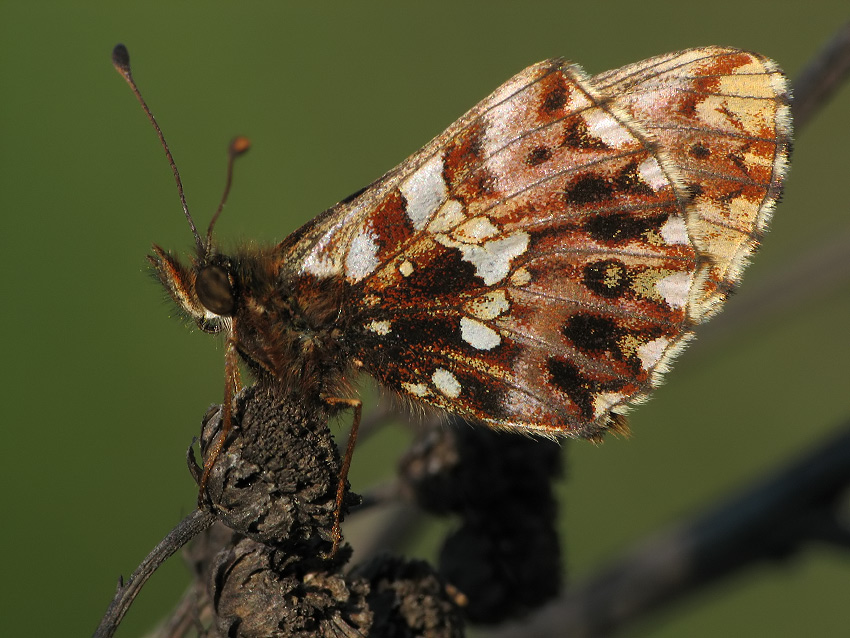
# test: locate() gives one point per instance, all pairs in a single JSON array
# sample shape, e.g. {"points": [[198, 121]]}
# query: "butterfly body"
{"points": [[289, 329], [535, 267]]}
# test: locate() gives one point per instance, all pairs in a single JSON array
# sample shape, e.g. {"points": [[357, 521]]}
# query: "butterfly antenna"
{"points": [[238, 146], [121, 62]]}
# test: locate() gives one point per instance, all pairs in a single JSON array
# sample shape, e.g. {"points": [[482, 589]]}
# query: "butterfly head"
{"points": [[215, 291], [207, 292]]}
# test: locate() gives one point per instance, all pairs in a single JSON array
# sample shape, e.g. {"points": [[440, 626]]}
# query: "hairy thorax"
{"points": [[290, 329]]}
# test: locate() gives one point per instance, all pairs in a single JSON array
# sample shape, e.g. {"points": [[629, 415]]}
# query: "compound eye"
{"points": [[214, 290]]}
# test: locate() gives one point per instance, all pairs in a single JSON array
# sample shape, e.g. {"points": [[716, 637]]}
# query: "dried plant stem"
{"points": [[821, 78], [188, 528]]}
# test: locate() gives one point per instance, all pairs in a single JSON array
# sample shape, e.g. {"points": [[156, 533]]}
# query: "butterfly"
{"points": [[537, 266]]}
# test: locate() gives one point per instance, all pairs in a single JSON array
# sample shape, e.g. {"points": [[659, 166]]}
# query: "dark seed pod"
{"points": [[262, 592], [275, 479], [410, 600], [505, 558]]}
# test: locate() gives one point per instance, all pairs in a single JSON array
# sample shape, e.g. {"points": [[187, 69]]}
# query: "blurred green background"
{"points": [[102, 390]]}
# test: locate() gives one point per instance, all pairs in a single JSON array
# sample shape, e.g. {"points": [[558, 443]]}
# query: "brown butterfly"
{"points": [[535, 267]]}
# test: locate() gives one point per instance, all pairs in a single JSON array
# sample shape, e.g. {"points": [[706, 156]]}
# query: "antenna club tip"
{"points": [[239, 145], [121, 59]]}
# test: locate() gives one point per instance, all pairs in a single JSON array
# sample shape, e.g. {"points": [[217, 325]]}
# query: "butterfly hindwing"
{"points": [[723, 115]]}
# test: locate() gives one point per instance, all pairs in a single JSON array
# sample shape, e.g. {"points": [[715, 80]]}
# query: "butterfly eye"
{"points": [[215, 291]]}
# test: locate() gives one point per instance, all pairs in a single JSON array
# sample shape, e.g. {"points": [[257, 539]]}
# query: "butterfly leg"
{"points": [[232, 385], [357, 406]]}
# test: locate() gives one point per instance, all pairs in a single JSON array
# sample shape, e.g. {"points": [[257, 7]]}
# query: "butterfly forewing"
{"points": [[530, 268]]}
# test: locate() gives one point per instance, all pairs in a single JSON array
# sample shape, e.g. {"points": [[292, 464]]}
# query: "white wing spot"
{"points": [[416, 389], [319, 262], [405, 268], [604, 127], [674, 231], [362, 258], [604, 401], [651, 173], [492, 259], [675, 289], [380, 327], [450, 215], [650, 353], [520, 277], [476, 230], [480, 336], [424, 191], [446, 383], [488, 306], [320, 265]]}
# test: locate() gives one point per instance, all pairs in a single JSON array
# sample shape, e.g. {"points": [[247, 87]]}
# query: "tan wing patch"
{"points": [[723, 116]]}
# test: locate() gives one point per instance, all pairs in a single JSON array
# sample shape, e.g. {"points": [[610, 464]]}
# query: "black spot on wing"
{"points": [[694, 190], [608, 278], [538, 155], [565, 375], [445, 275], [485, 183], [418, 344], [603, 338], [556, 98], [419, 333], [576, 135], [620, 226], [481, 395], [740, 163], [462, 155], [593, 333], [406, 347], [628, 180], [726, 198], [480, 184], [699, 151], [588, 189]]}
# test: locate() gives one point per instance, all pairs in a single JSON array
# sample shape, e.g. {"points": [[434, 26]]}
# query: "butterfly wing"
{"points": [[723, 116], [538, 264], [529, 268]]}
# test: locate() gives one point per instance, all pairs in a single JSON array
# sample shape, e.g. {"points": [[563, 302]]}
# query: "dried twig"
{"points": [[821, 78], [188, 528]]}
